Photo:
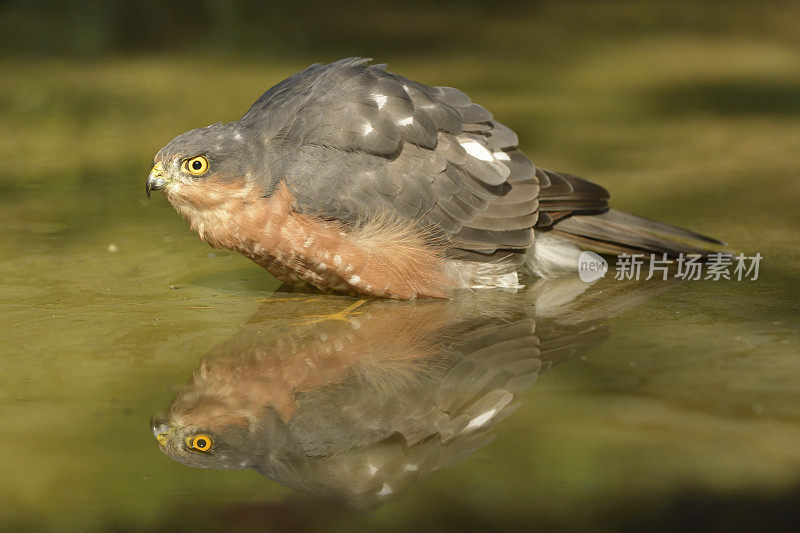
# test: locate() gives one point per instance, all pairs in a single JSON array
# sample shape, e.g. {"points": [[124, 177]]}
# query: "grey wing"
{"points": [[440, 419], [358, 442], [353, 140], [480, 373]]}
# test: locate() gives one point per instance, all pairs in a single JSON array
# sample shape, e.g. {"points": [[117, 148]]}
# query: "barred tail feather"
{"points": [[555, 251], [615, 232]]}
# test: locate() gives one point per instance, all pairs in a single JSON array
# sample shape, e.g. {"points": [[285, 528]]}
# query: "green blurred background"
{"points": [[685, 111]]}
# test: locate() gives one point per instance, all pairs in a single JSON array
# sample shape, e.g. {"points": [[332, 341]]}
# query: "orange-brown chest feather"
{"points": [[382, 259]]}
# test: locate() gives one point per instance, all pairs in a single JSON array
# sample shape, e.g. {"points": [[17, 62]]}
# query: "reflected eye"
{"points": [[196, 165], [200, 442]]}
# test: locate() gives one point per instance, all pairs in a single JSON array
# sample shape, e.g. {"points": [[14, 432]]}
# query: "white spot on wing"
{"points": [[405, 121], [385, 490], [380, 99], [480, 420], [367, 128], [477, 150], [501, 156]]}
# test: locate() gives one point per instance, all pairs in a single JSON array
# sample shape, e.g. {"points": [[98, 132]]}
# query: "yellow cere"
{"points": [[158, 171]]}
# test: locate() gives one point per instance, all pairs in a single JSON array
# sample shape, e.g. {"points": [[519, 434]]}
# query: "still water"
{"points": [[568, 404], [564, 406]]}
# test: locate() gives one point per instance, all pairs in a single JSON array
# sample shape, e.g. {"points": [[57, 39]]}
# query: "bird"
{"points": [[352, 179], [360, 409]]}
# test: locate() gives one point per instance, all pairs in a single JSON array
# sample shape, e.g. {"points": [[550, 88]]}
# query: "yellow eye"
{"points": [[196, 165], [200, 442]]}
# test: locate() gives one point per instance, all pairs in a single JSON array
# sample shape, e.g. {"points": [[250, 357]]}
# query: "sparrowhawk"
{"points": [[351, 178]]}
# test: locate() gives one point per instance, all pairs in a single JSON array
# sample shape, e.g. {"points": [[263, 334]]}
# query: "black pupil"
{"points": [[201, 443], [197, 165]]}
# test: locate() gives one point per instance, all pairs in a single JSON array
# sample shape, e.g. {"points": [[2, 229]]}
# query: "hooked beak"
{"points": [[160, 430], [156, 180]]}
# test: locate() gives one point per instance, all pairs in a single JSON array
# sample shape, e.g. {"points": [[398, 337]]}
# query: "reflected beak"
{"points": [[156, 180], [160, 430]]}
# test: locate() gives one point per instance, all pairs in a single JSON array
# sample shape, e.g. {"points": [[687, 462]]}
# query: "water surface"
{"points": [[666, 402]]}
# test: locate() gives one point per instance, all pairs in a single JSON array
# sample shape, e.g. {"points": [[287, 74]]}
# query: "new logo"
{"points": [[591, 266]]}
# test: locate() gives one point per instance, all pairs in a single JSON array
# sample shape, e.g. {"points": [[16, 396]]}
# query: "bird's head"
{"points": [[202, 443], [220, 419], [208, 435], [192, 446], [220, 153]]}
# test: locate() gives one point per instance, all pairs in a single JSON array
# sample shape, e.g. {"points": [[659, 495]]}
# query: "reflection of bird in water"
{"points": [[358, 409]]}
